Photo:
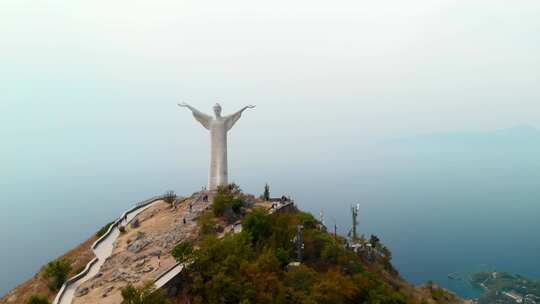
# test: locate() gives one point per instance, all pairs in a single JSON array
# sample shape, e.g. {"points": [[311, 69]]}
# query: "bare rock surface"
{"points": [[81, 292], [142, 253]]}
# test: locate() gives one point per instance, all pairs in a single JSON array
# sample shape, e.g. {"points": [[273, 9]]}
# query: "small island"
{"points": [[505, 288]]}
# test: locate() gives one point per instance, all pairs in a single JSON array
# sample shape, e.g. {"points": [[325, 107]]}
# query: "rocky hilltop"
{"points": [[238, 249]]}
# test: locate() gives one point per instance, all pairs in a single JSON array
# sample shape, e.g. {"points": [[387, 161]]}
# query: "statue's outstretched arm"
{"points": [[233, 118], [204, 119]]}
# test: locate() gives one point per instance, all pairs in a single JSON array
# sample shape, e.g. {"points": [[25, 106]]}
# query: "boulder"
{"points": [[138, 245], [135, 223], [140, 263], [219, 228], [81, 292], [12, 298]]}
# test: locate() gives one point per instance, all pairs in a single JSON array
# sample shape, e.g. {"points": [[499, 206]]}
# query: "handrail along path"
{"points": [[102, 248]]}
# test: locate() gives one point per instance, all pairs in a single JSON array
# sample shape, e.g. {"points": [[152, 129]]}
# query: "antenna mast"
{"points": [[335, 229], [354, 211]]}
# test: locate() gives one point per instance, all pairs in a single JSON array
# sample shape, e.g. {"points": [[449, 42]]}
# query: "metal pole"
{"points": [[354, 211], [335, 229], [299, 242]]}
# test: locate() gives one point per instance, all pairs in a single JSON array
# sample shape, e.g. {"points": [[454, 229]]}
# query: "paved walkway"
{"points": [[169, 275], [105, 249], [102, 251]]}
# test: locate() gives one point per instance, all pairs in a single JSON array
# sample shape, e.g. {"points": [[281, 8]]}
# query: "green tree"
{"points": [[235, 188], [307, 220], [266, 193], [206, 223], [216, 269], [253, 267], [315, 242], [334, 287], [330, 252], [183, 252], [386, 254], [147, 294], [38, 300], [222, 201], [236, 205], [374, 241], [283, 256], [258, 225], [227, 199], [57, 271], [301, 278]]}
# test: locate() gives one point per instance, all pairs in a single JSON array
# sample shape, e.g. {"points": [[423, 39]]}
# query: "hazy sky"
{"points": [[382, 66], [107, 73], [89, 124]]}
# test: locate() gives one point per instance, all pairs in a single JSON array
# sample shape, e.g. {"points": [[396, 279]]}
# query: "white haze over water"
{"points": [[89, 123]]}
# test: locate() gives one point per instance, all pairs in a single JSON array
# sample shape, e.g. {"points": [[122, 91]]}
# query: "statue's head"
{"points": [[217, 109]]}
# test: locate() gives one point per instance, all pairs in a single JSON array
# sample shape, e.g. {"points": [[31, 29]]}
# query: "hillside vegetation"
{"points": [[280, 257], [259, 265]]}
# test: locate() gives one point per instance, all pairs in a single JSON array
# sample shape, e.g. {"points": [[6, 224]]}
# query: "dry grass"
{"points": [[79, 256]]}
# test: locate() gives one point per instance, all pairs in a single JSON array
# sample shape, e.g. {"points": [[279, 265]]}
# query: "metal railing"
{"points": [[114, 225]]}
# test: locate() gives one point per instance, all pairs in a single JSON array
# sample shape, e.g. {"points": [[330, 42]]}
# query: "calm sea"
{"points": [[441, 207]]}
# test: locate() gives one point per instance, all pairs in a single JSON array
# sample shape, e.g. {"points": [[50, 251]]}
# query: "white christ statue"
{"points": [[218, 126]]}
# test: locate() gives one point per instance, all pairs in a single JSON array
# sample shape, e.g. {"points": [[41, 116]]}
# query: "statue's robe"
{"points": [[218, 126]]}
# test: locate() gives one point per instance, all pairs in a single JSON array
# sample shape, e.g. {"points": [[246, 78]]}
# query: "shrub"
{"points": [[334, 287], [438, 294], [169, 197], [57, 271], [248, 267], [258, 225], [222, 200], [315, 242], [220, 204], [307, 220], [222, 189], [147, 294], [103, 230], [386, 257], [237, 205], [183, 252], [38, 300], [283, 256], [122, 229], [80, 269], [206, 223], [301, 278], [330, 252], [234, 188], [225, 201], [374, 241]]}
